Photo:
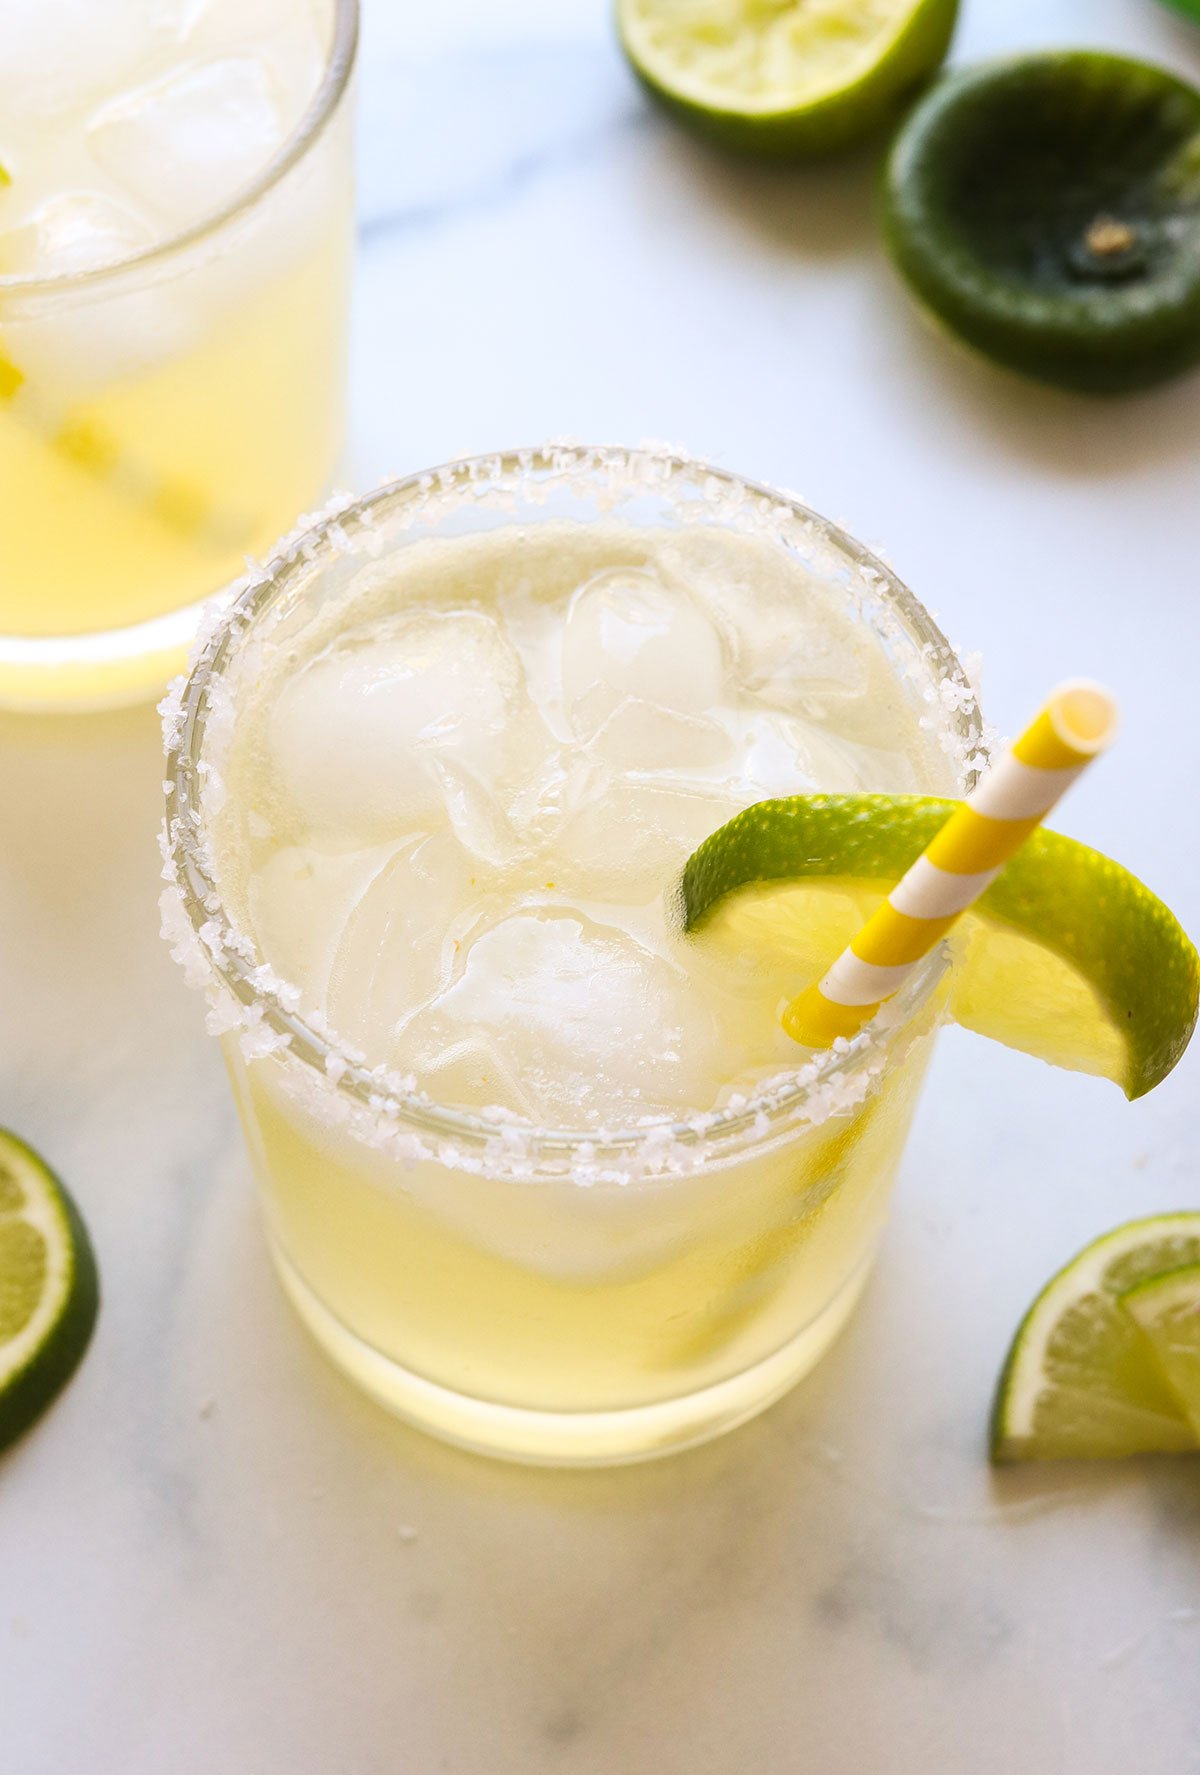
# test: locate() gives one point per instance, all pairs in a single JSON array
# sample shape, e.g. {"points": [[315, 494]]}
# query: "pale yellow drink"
{"points": [[175, 230], [544, 1174]]}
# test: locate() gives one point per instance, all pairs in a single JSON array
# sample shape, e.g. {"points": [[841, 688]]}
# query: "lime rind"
{"points": [[789, 119], [1117, 936], [38, 1361], [1016, 294], [1052, 1402]]}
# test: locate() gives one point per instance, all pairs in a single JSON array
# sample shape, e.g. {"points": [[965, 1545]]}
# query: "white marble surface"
{"points": [[213, 1555]]}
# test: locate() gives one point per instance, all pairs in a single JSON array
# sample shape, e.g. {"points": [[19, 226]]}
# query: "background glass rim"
{"points": [[339, 65]]}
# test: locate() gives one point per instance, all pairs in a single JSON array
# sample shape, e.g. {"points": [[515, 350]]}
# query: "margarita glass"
{"points": [[176, 223], [538, 1172]]}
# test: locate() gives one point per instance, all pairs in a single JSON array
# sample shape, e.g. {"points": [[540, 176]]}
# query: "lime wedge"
{"points": [[49, 1293], [784, 78], [1167, 1311], [1066, 956], [1081, 1382]]}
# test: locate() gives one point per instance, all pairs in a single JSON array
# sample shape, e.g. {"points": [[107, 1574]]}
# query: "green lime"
{"points": [[1080, 1381], [1047, 210], [1066, 955], [49, 1291], [784, 79], [1167, 1310]]}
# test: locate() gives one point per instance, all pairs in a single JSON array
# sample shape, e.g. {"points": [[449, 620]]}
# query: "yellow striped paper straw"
{"points": [[969, 851], [173, 502]]}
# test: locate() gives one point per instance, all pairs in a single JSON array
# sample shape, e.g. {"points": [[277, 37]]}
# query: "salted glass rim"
{"points": [[227, 951], [339, 64]]}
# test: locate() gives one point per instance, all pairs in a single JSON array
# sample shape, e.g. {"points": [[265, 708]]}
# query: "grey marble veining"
{"points": [[213, 1554]]}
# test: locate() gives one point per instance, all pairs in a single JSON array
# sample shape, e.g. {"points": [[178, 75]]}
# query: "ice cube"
{"points": [[68, 351], [787, 755], [479, 822], [356, 736], [596, 1027], [642, 736], [627, 841], [396, 948], [59, 58], [72, 231], [290, 36], [185, 144], [780, 755], [791, 626], [630, 634], [790, 657], [300, 902], [476, 1072]]}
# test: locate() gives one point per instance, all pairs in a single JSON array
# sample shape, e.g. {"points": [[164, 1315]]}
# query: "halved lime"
{"points": [[1066, 955], [1047, 210], [49, 1290], [1081, 1382], [784, 79], [1167, 1311]]}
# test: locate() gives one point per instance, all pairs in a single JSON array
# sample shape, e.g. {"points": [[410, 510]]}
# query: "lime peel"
{"points": [[1066, 955], [1043, 208]]}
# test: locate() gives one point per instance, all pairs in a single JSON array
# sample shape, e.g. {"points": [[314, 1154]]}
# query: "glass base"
{"points": [[106, 670], [570, 1439]]}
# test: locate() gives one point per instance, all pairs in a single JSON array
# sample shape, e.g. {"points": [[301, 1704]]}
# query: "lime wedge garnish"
{"points": [[1066, 956], [1167, 1310], [49, 1292], [1081, 1382], [784, 78]]}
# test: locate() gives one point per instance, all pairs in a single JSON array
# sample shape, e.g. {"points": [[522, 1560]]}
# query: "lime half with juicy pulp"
{"points": [[1066, 955], [1166, 1309], [49, 1291], [1081, 1381], [1046, 209], [784, 79]]}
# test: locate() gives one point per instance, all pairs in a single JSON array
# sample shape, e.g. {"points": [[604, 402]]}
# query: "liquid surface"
{"points": [[124, 121], [460, 803]]}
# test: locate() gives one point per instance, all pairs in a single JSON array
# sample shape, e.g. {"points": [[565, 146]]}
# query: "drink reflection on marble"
{"points": [[540, 1172], [175, 229]]}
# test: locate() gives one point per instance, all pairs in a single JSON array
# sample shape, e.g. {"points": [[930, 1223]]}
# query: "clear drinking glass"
{"points": [[168, 414], [551, 1294]]}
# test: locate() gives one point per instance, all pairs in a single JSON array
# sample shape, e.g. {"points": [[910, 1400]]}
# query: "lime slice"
{"points": [[49, 1293], [1080, 1381], [784, 78], [1066, 956], [1046, 209], [1167, 1310]]}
